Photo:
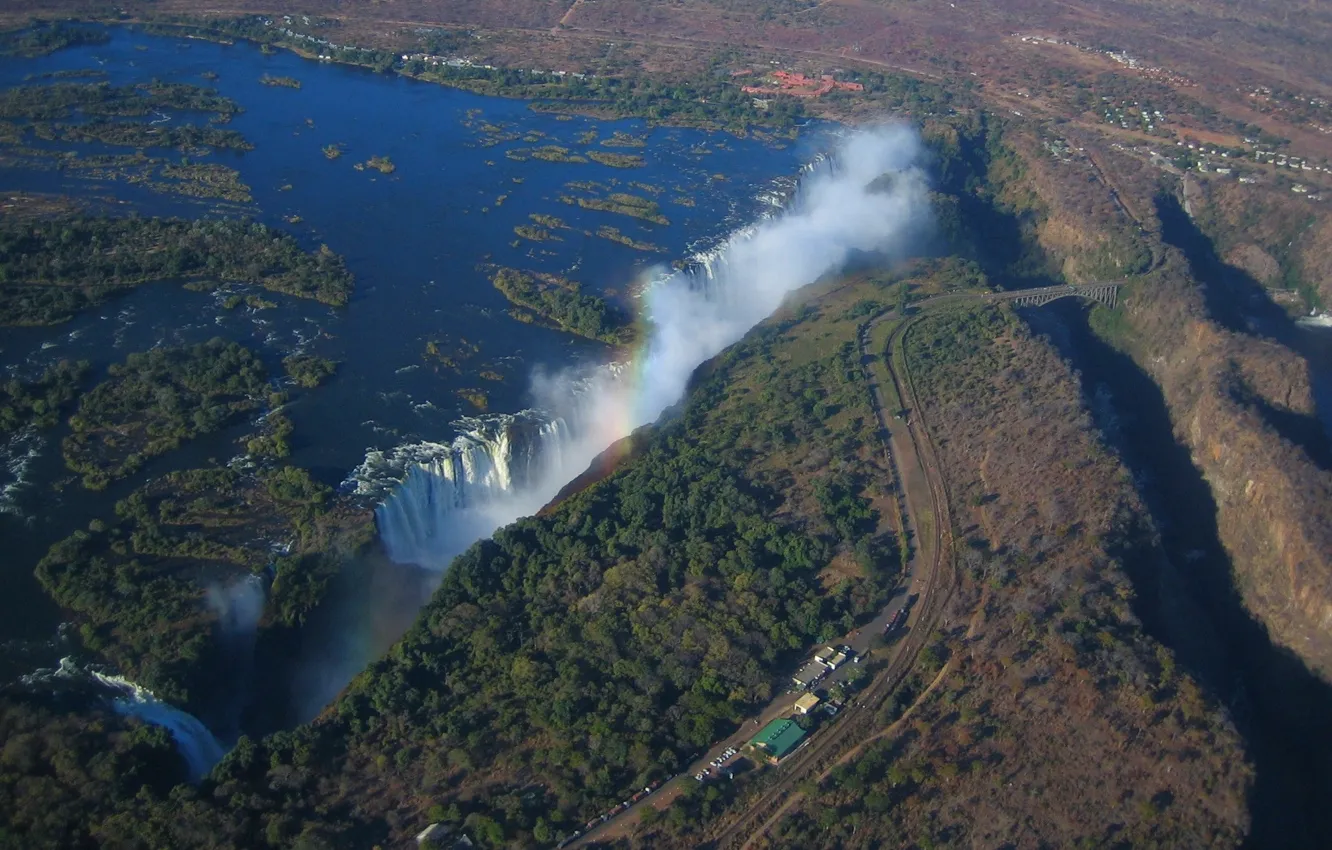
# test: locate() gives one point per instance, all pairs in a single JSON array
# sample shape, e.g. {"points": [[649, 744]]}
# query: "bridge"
{"points": [[1104, 292]]}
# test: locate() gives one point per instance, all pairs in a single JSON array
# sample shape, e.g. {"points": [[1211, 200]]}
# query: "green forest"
{"points": [[308, 370], [44, 39], [65, 764], [574, 656], [137, 583], [158, 399], [52, 268], [38, 403], [133, 134], [560, 302], [55, 101]]}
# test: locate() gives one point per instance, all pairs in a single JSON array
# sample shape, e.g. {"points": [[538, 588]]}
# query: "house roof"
{"points": [[779, 737]]}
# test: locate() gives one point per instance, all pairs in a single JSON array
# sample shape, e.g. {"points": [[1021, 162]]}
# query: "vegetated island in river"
{"points": [[622, 203], [382, 164], [125, 116], [158, 399], [280, 82], [136, 134], [138, 583], [617, 160], [614, 234], [308, 370], [62, 100], [52, 268], [38, 403], [559, 302]]}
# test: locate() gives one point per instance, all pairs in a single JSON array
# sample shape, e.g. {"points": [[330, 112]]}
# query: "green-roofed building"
{"points": [[778, 738]]}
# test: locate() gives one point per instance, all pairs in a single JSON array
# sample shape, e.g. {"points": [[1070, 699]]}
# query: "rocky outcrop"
{"points": [[1274, 505]]}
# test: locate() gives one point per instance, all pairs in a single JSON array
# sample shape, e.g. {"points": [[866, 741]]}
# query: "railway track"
{"points": [[860, 719], [911, 444]]}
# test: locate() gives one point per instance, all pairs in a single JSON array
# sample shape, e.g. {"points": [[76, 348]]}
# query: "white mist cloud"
{"points": [[837, 213], [502, 469], [451, 498], [239, 606]]}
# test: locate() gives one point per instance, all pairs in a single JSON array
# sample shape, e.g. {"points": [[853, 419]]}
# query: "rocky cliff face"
{"points": [[1238, 401], [1274, 505], [1279, 238]]}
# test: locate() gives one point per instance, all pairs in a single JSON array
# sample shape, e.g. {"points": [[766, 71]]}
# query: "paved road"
{"points": [[929, 578], [907, 467], [915, 463]]}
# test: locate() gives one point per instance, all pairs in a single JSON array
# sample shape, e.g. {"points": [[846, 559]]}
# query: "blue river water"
{"points": [[417, 240]]}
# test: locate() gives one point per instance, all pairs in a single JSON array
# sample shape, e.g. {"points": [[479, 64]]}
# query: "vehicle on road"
{"points": [[896, 622]]}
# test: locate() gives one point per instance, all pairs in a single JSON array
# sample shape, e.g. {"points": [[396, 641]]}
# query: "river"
{"points": [[416, 240]]}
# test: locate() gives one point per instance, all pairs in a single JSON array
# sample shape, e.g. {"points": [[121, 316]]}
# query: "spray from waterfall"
{"points": [[239, 606], [868, 196], [196, 744]]}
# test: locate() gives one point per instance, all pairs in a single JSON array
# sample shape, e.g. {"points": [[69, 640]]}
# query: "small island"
{"points": [[56, 266], [307, 370], [280, 82], [622, 203], [37, 403], [558, 301], [382, 164], [536, 234], [617, 160], [157, 400], [614, 235]]}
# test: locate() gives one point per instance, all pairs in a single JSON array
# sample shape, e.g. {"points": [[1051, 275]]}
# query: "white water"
{"points": [[450, 495], [197, 745], [439, 498], [17, 454], [436, 499]]}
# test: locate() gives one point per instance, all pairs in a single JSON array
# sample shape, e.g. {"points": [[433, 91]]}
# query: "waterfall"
{"points": [[439, 498], [196, 744], [436, 499], [200, 749]]}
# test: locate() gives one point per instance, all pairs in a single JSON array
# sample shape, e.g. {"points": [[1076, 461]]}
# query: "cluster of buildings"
{"points": [[1060, 149], [1120, 56], [1268, 157], [782, 736], [1281, 160], [778, 739], [1281, 101], [323, 42], [447, 61], [1124, 113], [824, 662], [798, 85]]}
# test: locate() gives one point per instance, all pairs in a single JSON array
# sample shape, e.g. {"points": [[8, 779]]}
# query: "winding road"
{"points": [[930, 578]]}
